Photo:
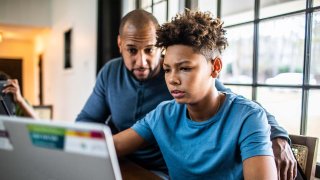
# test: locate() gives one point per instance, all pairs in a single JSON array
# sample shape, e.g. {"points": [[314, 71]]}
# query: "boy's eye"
{"points": [[185, 69], [166, 70]]}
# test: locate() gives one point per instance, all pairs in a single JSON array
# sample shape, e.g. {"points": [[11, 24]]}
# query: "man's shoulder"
{"points": [[111, 67], [114, 62]]}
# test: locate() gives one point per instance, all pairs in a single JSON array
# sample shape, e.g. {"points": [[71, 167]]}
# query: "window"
{"points": [[237, 59], [208, 5], [164, 10], [235, 14], [268, 58], [314, 115], [280, 101], [281, 47], [315, 45], [269, 8]]}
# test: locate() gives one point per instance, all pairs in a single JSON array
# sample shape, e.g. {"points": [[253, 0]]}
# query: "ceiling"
{"points": [[24, 33]]}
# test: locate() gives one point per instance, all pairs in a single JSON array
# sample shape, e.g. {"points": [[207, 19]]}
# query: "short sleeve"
{"points": [[144, 126], [255, 135]]}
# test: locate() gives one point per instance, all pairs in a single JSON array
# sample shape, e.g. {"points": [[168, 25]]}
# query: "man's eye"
{"points": [[149, 50], [132, 51]]}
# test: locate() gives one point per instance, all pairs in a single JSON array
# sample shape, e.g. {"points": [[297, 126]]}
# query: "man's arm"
{"points": [[96, 108], [127, 141], [259, 167], [276, 130], [285, 161]]}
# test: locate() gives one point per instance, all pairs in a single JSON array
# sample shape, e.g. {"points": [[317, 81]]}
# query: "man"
{"points": [[129, 87]]}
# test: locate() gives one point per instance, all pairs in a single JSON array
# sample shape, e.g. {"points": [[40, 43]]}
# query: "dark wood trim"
{"points": [[109, 16], [312, 144], [40, 66]]}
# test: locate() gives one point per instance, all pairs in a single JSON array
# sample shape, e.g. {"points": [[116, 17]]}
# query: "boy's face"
{"points": [[140, 55], [187, 74]]}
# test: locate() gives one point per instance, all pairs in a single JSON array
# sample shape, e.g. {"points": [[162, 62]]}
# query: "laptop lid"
{"points": [[39, 150]]}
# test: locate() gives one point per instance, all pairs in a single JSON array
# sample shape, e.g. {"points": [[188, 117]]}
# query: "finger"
{"points": [[278, 168], [8, 83], [295, 169], [10, 89], [291, 170], [284, 170], [14, 82]]}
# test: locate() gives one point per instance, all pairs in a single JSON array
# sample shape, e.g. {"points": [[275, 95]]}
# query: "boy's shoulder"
{"points": [[242, 101], [167, 104]]}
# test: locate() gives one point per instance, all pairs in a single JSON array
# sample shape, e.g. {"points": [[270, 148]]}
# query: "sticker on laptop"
{"points": [[73, 141], [90, 143], [5, 143], [46, 136]]}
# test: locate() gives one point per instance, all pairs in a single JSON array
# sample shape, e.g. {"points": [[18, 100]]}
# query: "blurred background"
{"points": [[56, 47]]}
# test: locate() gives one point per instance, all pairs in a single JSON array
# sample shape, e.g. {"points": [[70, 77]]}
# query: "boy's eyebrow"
{"points": [[178, 63], [165, 64]]}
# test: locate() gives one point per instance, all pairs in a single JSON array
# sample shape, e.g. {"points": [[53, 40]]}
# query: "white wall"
{"points": [[67, 90], [26, 12], [22, 50]]}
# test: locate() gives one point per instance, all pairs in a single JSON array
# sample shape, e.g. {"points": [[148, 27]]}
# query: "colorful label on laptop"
{"points": [[47, 137], [82, 142], [90, 143], [5, 143]]}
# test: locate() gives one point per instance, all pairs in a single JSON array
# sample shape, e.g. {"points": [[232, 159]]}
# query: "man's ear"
{"points": [[216, 65], [119, 43]]}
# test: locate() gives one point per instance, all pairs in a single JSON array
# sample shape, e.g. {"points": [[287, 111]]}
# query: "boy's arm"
{"points": [[259, 167], [285, 161], [127, 142], [276, 130]]}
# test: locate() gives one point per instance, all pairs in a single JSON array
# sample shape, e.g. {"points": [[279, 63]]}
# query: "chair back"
{"points": [[305, 149]]}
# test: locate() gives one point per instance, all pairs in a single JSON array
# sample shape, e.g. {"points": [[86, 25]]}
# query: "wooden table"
{"points": [[132, 171]]}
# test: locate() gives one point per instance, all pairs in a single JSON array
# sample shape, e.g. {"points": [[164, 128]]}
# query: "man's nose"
{"points": [[141, 59]]}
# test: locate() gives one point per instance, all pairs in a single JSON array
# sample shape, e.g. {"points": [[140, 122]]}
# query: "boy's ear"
{"points": [[119, 43], [216, 65]]}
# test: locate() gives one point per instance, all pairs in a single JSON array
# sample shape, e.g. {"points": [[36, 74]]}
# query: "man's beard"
{"points": [[150, 75]]}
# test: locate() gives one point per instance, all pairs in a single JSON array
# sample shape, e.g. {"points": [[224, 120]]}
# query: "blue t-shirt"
{"points": [[119, 95], [212, 149]]}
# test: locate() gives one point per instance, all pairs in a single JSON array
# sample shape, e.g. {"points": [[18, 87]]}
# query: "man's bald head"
{"points": [[139, 19]]}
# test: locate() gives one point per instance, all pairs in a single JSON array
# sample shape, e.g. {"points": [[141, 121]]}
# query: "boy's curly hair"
{"points": [[198, 30]]}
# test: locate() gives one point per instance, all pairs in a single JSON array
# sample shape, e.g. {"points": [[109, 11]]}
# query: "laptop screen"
{"points": [[35, 150]]}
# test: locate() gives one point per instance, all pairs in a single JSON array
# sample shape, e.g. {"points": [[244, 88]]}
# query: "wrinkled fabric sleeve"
{"points": [[254, 137], [144, 126], [276, 130], [96, 108]]}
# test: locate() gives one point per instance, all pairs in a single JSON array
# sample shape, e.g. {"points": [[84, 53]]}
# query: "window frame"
{"points": [[308, 11], [305, 87]]}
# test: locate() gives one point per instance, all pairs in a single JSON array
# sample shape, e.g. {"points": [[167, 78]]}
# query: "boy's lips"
{"points": [[177, 94]]}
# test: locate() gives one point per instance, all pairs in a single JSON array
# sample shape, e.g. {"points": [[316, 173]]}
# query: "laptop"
{"points": [[46, 150]]}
